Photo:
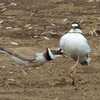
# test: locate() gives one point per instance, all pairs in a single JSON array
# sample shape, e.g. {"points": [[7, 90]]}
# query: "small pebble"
{"points": [[46, 38], [14, 43], [11, 79], [1, 21], [8, 28], [13, 4]]}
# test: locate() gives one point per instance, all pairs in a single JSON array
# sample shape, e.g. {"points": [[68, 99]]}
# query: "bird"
{"points": [[72, 44], [75, 45], [38, 57]]}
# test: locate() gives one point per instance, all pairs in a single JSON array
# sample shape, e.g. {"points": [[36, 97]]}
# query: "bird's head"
{"points": [[75, 25], [51, 54], [47, 55]]}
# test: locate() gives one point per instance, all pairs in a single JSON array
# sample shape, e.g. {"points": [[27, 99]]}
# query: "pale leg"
{"points": [[72, 72]]}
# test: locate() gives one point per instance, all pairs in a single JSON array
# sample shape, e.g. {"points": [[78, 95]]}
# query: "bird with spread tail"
{"points": [[39, 57]]}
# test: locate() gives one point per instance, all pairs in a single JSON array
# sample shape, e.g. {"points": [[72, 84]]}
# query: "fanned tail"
{"points": [[16, 57]]}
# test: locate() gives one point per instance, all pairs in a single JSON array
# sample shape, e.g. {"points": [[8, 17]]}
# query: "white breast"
{"points": [[74, 44]]}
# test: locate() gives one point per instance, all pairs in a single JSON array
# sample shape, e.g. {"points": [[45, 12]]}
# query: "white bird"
{"points": [[40, 57], [75, 45]]}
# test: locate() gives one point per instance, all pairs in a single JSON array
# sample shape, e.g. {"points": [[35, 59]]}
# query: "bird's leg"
{"points": [[72, 72]]}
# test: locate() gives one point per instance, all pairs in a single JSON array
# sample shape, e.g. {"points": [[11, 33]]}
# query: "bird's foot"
{"points": [[72, 75]]}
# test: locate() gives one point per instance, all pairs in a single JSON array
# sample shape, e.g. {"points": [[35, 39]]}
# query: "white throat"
{"points": [[75, 25], [75, 31]]}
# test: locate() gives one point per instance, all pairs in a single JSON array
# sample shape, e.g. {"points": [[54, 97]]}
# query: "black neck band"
{"points": [[47, 56]]}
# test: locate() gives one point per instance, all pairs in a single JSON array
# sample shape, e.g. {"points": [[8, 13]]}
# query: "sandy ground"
{"points": [[25, 27]]}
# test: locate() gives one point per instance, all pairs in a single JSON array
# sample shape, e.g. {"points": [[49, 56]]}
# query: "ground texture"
{"points": [[26, 27]]}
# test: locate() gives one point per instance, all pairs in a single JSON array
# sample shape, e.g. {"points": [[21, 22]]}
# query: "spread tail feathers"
{"points": [[18, 59], [42, 57]]}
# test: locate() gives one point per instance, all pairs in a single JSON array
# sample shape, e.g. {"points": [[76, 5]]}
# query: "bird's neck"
{"points": [[75, 31], [47, 56]]}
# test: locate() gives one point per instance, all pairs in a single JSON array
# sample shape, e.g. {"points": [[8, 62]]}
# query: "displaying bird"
{"points": [[72, 44], [75, 45], [40, 57]]}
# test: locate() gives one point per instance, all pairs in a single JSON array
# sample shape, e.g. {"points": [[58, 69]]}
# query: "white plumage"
{"points": [[74, 44]]}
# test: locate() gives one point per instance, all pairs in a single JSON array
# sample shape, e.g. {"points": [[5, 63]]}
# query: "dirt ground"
{"points": [[26, 27]]}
